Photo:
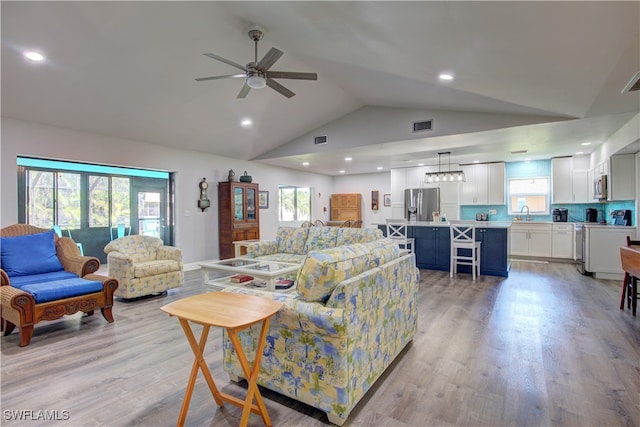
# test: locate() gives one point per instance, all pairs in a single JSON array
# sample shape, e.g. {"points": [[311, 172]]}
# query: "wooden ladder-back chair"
{"points": [[630, 282]]}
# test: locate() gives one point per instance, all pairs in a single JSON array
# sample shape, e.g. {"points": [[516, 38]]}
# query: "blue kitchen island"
{"points": [[433, 247]]}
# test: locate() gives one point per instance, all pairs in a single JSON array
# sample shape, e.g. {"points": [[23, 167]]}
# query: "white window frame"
{"points": [[546, 195]]}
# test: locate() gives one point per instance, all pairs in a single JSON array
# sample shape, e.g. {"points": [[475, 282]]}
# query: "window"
{"points": [[530, 192], [294, 204], [53, 198], [92, 199]]}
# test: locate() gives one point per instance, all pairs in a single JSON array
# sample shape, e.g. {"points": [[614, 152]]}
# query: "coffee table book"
{"points": [[241, 278]]}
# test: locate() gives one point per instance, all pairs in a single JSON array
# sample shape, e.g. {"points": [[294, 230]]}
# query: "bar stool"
{"points": [[397, 231], [463, 237]]}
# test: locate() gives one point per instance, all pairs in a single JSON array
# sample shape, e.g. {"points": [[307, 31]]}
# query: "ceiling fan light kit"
{"points": [[257, 74], [448, 176], [256, 82]]}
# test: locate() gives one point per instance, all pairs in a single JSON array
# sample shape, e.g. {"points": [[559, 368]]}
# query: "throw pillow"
{"points": [[324, 269], [29, 254]]}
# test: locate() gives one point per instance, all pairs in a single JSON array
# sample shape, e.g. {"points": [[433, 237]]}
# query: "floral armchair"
{"points": [[144, 266]]}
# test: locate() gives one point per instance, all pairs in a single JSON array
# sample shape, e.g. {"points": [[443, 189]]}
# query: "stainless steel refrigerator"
{"points": [[420, 203]]}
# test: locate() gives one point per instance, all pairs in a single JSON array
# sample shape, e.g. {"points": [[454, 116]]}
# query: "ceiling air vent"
{"points": [[423, 126], [320, 139], [634, 84]]}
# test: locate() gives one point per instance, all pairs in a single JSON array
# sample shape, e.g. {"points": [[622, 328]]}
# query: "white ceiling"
{"points": [[127, 69]]}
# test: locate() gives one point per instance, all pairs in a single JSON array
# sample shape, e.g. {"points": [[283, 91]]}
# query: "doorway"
{"points": [[149, 213]]}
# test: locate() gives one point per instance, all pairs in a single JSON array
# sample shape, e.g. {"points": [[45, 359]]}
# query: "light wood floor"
{"points": [[544, 347]]}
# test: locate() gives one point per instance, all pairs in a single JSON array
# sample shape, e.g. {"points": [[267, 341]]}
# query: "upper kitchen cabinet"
{"points": [[484, 184], [569, 180], [622, 177]]}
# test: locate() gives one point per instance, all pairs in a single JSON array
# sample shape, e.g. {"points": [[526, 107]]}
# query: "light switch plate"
{"points": [[492, 211]]}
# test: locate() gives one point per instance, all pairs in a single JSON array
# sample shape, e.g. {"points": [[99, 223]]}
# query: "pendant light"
{"points": [[448, 176]]}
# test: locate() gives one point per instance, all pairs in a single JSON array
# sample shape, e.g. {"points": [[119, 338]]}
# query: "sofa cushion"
{"points": [[139, 248], [282, 257], [324, 269], [19, 281], [349, 236], [382, 251], [291, 240], [321, 238], [151, 268], [29, 254], [59, 289]]}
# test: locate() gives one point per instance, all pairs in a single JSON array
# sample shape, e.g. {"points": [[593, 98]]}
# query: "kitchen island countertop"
{"points": [[482, 224]]}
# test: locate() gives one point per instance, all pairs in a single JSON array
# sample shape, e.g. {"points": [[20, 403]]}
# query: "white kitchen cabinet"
{"points": [[581, 184], [603, 242], [562, 241], [569, 185], [484, 184], [561, 169], [403, 178], [530, 239], [622, 177], [398, 184]]}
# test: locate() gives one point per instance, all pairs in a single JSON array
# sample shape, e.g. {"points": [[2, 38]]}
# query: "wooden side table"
{"points": [[234, 312]]}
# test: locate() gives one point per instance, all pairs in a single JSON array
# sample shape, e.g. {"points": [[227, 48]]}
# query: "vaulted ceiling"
{"points": [[537, 76]]}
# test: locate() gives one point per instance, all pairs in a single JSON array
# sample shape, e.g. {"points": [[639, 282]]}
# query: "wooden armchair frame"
{"points": [[18, 308]]}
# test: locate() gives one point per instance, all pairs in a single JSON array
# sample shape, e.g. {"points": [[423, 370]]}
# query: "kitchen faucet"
{"points": [[525, 206]]}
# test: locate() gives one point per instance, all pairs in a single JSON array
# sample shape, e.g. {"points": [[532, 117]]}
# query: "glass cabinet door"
{"points": [[238, 203], [251, 204]]}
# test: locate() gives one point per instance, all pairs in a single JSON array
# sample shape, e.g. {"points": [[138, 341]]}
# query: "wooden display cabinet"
{"points": [[238, 215], [346, 206]]}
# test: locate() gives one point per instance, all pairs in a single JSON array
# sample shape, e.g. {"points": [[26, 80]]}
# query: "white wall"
{"points": [[627, 134], [364, 184], [196, 231]]}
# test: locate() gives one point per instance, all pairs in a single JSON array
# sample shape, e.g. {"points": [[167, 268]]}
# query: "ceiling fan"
{"points": [[257, 74]]}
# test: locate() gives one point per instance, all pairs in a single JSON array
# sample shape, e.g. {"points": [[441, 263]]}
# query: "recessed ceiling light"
{"points": [[579, 152], [476, 161], [585, 144], [246, 123], [420, 164], [341, 171], [379, 168], [34, 56], [305, 163], [446, 76], [348, 159]]}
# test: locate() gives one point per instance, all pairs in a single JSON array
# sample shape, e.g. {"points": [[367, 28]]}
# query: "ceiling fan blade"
{"points": [[292, 75], [269, 59], [234, 76], [244, 91], [226, 61], [279, 88]]}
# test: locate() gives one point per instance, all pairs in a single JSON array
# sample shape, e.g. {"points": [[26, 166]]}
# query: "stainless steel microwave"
{"points": [[600, 187]]}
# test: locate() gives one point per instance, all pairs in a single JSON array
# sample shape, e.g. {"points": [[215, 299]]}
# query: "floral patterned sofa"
{"points": [[143, 265], [353, 311], [292, 244]]}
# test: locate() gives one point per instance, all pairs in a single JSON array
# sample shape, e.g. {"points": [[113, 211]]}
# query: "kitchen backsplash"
{"points": [[576, 212]]}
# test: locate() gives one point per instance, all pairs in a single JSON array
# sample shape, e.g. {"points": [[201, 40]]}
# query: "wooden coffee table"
{"points": [[234, 312]]}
